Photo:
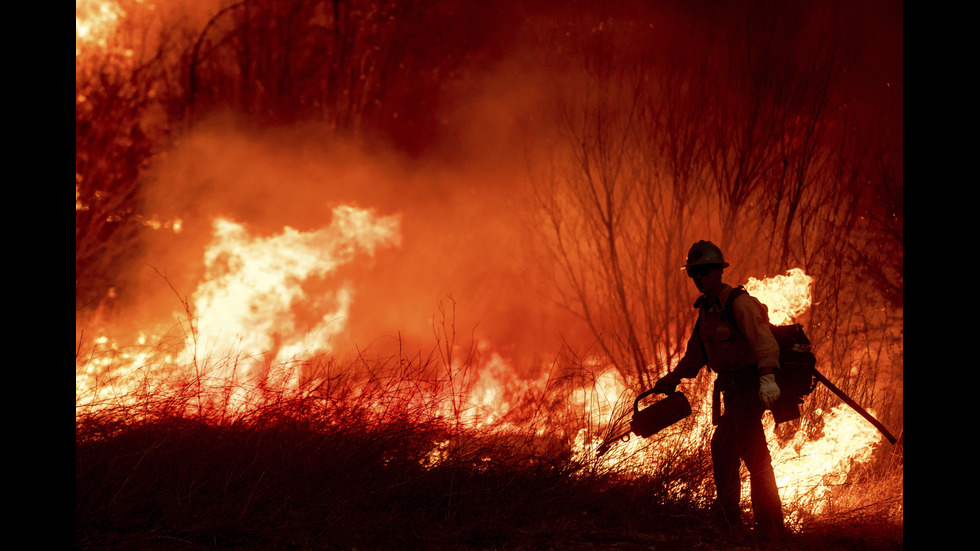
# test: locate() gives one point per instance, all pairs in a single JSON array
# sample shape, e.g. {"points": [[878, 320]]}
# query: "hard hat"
{"points": [[705, 252]]}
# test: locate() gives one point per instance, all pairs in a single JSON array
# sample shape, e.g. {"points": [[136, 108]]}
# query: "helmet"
{"points": [[705, 252]]}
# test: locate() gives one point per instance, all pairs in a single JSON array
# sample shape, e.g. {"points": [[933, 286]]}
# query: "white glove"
{"points": [[768, 390]]}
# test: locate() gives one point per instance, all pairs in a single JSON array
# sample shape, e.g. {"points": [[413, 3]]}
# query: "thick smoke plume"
{"points": [[464, 249]]}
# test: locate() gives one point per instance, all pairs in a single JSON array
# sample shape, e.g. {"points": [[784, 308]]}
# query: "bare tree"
{"points": [[125, 92], [590, 215], [738, 140], [626, 177], [358, 65]]}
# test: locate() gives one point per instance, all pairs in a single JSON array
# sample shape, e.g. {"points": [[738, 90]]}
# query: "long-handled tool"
{"points": [[854, 405]]}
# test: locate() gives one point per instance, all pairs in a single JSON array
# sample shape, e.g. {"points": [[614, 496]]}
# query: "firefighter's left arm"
{"points": [[753, 319]]}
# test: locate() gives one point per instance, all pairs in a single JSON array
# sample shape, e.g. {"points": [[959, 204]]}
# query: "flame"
{"points": [[253, 285], [807, 470], [255, 313], [787, 296], [252, 315]]}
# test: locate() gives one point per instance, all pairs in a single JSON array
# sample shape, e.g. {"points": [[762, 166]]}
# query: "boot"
{"points": [[727, 519], [771, 532]]}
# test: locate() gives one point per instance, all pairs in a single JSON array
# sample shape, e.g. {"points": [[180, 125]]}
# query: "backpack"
{"points": [[797, 363]]}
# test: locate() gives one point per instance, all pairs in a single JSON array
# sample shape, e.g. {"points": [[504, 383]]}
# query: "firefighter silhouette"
{"points": [[745, 357]]}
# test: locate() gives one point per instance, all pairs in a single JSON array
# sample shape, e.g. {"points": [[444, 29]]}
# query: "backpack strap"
{"points": [[727, 313]]}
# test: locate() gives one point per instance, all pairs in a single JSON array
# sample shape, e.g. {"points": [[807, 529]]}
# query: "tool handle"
{"points": [[854, 405], [644, 394]]}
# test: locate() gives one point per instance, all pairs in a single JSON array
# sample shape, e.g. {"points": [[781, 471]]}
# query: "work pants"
{"points": [[739, 437]]}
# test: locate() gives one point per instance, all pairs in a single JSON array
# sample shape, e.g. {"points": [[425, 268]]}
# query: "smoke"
{"points": [[460, 192], [465, 263]]}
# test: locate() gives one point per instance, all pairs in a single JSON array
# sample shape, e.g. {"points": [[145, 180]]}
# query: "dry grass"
{"points": [[365, 462]]}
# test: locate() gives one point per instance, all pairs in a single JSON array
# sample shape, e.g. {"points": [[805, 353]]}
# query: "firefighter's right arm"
{"points": [[687, 368]]}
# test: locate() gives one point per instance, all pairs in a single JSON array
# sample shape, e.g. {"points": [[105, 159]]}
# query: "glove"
{"points": [[667, 384], [768, 390]]}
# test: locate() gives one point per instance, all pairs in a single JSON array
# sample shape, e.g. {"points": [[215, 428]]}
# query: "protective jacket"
{"points": [[725, 349]]}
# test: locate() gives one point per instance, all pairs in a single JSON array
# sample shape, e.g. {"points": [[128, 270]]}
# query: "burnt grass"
{"points": [[305, 484]]}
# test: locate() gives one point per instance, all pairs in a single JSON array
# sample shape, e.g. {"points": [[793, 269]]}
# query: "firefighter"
{"points": [[745, 358]]}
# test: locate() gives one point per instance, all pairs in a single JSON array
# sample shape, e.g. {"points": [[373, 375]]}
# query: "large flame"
{"points": [[254, 287], [787, 296], [252, 317]]}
